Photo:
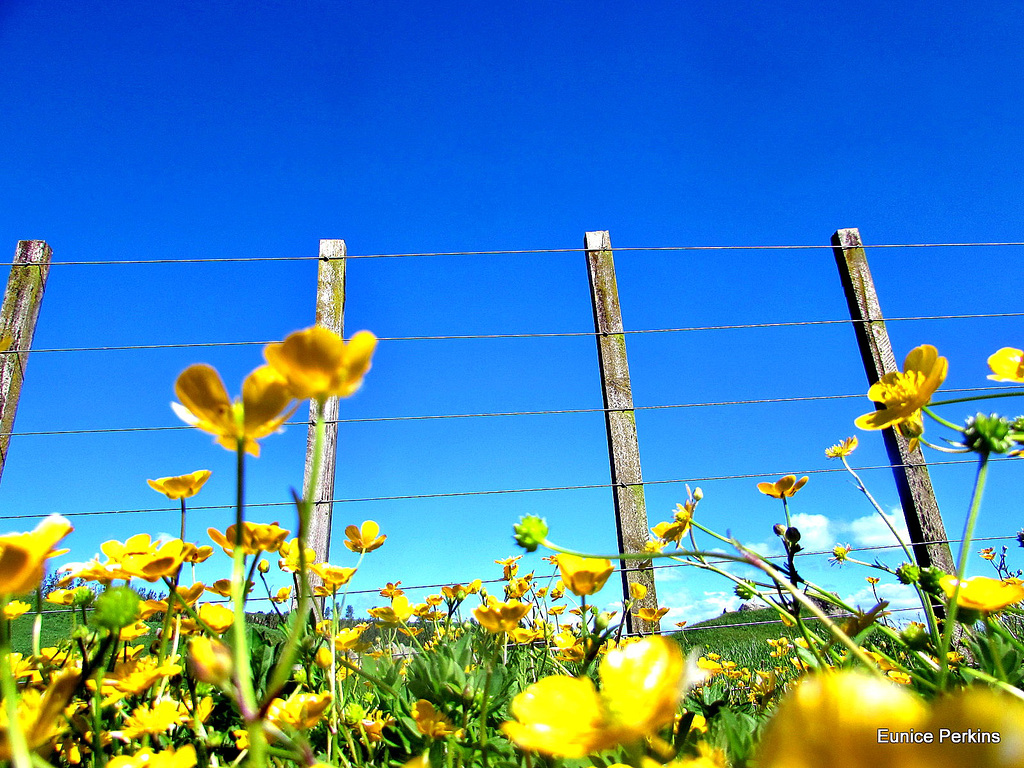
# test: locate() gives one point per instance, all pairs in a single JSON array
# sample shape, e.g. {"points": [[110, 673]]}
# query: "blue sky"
{"points": [[238, 130]]}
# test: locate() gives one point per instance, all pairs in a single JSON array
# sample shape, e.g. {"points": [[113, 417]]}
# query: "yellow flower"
{"points": [[637, 591], [510, 566], [290, 556], [182, 757], [210, 660], [983, 594], [40, 715], [216, 616], [584, 575], [282, 595], [261, 411], [154, 720], [567, 717], [162, 559], [500, 617], [839, 553], [317, 363], [365, 538], [300, 711], [783, 487], [650, 614], [431, 722], [134, 631], [851, 719], [843, 448], [670, 531], [16, 608], [333, 576], [182, 486], [398, 612], [988, 553], [1007, 365], [23, 555], [904, 393], [392, 589], [837, 717], [256, 537]]}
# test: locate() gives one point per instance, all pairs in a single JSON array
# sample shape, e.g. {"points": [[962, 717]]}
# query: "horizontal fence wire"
{"points": [[551, 335], [520, 251], [501, 491], [493, 414]]}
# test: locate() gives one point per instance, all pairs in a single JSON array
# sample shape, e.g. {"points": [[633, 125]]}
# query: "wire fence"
{"points": [[527, 413]]}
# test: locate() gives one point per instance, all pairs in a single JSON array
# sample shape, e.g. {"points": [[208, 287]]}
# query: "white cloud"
{"points": [[816, 531], [871, 531]]}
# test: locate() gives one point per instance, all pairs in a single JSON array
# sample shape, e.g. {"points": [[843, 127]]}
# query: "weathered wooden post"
{"points": [[18, 316], [620, 420], [330, 313], [924, 523]]}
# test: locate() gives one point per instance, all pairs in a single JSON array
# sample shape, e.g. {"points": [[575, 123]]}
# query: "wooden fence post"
{"points": [[924, 523], [18, 317], [620, 420], [330, 313]]}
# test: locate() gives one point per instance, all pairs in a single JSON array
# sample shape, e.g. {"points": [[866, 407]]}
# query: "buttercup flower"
{"points": [[398, 612], [23, 555], [500, 617], [904, 393], [218, 617], [783, 487], [333, 576], [984, 594], [1007, 365], [432, 722], [300, 711], [317, 363], [584, 575], [365, 538], [182, 757], [567, 717], [261, 411], [256, 537], [182, 486], [843, 448]]}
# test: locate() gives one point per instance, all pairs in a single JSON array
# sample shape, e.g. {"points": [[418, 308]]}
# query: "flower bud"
{"points": [[745, 591], [530, 532], [698, 494], [988, 434], [792, 535], [915, 636], [637, 591], [264, 566], [929, 581], [779, 529], [116, 608], [908, 573]]}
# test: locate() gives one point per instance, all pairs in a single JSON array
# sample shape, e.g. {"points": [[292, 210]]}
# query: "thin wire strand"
{"points": [[494, 414], [561, 334], [500, 491], [524, 251]]}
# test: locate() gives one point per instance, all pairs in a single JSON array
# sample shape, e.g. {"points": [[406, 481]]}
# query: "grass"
{"points": [[740, 636]]}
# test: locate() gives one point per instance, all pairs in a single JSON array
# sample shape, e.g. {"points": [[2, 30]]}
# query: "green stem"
{"points": [[282, 670], [961, 568], [243, 666], [974, 399], [941, 420], [19, 745]]}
